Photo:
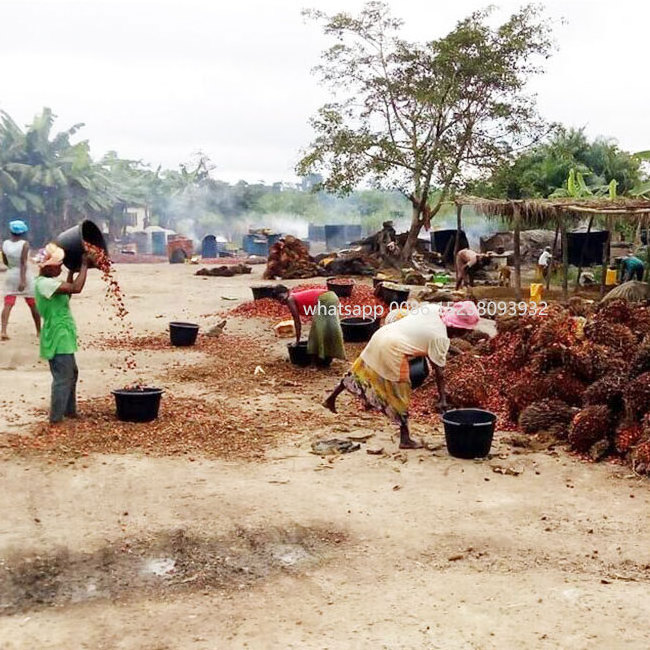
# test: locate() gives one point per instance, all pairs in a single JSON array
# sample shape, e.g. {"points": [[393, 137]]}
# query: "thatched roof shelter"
{"points": [[561, 213]]}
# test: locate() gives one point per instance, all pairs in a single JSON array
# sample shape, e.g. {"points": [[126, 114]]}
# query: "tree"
{"points": [[418, 117], [543, 171]]}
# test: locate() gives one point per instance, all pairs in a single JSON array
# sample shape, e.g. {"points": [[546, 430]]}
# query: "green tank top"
{"points": [[58, 331]]}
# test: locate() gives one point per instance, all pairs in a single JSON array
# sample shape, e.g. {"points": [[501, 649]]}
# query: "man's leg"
{"points": [[62, 368], [35, 315], [71, 407]]}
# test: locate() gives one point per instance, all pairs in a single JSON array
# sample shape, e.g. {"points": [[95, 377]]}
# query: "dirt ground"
{"points": [[401, 550]]}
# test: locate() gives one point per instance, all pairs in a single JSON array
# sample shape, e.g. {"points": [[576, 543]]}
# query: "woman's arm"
{"points": [[23, 267], [440, 383], [293, 308], [77, 284]]}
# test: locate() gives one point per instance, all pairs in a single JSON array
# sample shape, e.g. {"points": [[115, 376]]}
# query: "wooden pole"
{"points": [[605, 264], [647, 249], [550, 269], [565, 262], [582, 252], [459, 225], [517, 246]]}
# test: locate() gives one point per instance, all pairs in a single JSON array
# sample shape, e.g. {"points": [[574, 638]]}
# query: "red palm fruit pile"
{"points": [[641, 360], [590, 425], [641, 457], [640, 321], [607, 390], [362, 296], [523, 392], [613, 312], [544, 415], [613, 335], [466, 382], [637, 396], [564, 385], [627, 436], [581, 361], [547, 359]]}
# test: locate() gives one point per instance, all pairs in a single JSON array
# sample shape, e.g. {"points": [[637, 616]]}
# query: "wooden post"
{"points": [[459, 225], [565, 262], [517, 246], [582, 252], [647, 248], [550, 270], [605, 264]]}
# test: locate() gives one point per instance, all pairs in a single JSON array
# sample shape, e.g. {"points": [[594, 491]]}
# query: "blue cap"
{"points": [[18, 227]]}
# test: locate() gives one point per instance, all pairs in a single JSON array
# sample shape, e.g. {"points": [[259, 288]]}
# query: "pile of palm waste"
{"points": [[289, 259], [225, 270], [581, 374]]}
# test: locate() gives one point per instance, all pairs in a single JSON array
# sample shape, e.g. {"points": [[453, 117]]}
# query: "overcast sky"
{"points": [[158, 80]]}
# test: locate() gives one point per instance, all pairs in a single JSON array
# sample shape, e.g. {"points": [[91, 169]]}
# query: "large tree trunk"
{"points": [[414, 231]]}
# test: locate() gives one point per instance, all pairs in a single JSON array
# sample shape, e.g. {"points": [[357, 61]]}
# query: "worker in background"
{"points": [[545, 262], [632, 268], [467, 263]]}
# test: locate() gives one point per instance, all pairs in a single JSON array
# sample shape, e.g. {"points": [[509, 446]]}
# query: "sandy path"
{"points": [[438, 553]]}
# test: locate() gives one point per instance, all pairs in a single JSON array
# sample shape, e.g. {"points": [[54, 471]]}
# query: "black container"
{"points": [[418, 371], [137, 404], [267, 291], [341, 289], [298, 354], [469, 432], [182, 334], [394, 296], [72, 240], [357, 329], [377, 281]]}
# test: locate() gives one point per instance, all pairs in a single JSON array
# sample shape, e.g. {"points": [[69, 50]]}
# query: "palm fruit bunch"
{"points": [[556, 330], [614, 335], [564, 385], [544, 415], [473, 337], [548, 358], [581, 307], [627, 436], [613, 311], [509, 351], [641, 457], [590, 425], [461, 344], [641, 360], [640, 321], [645, 425], [607, 390], [466, 381], [636, 396], [525, 391]]}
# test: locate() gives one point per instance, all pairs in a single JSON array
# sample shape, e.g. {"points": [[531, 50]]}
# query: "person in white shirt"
{"points": [[545, 260]]}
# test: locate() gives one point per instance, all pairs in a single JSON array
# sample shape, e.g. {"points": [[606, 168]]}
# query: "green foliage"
{"points": [[543, 171], [412, 116]]}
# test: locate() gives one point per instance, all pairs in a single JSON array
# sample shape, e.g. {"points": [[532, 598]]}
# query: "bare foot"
{"points": [[4, 337], [410, 444], [330, 404]]}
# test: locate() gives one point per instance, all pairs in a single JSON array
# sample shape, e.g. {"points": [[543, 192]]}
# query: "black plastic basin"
{"points": [[137, 404], [298, 354], [469, 432], [182, 334], [357, 329], [418, 371], [342, 288], [263, 292], [72, 242], [394, 297]]}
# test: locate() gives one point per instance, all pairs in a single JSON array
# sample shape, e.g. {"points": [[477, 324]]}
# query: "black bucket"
{"points": [[266, 291], [393, 296], [358, 329], [72, 240], [181, 334], [469, 432], [298, 353], [377, 281], [418, 371], [342, 288], [137, 404]]}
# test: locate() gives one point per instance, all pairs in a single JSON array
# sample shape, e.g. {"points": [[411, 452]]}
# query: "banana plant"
{"points": [[576, 187]]}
